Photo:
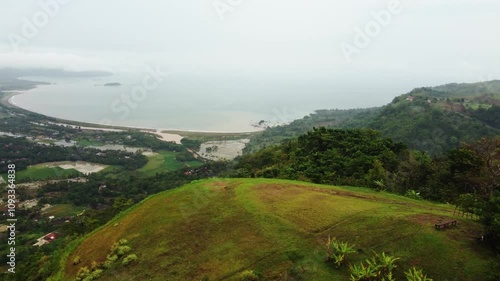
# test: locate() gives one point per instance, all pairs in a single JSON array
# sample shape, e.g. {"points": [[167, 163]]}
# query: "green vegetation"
{"points": [[336, 251], [378, 268], [21, 151], [433, 120], [438, 144], [42, 172], [63, 210], [163, 161], [355, 157], [334, 118], [414, 274], [223, 228], [166, 161]]}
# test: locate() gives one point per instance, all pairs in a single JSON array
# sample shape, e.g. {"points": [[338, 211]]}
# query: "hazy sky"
{"points": [[420, 43]]}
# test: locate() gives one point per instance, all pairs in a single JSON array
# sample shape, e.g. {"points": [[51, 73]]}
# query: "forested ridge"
{"points": [[432, 119]]}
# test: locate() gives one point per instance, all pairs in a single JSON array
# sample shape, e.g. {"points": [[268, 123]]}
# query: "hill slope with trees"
{"points": [[431, 119]]}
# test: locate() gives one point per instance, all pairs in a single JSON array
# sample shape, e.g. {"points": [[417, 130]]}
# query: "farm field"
{"points": [[165, 161]]}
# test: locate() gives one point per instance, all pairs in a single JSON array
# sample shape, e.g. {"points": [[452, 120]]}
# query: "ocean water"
{"points": [[227, 104]]}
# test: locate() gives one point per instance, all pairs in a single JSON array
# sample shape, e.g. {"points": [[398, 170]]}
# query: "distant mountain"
{"points": [[433, 119], [9, 77], [12, 73]]}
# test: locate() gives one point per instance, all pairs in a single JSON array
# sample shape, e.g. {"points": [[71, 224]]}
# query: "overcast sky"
{"points": [[424, 42]]}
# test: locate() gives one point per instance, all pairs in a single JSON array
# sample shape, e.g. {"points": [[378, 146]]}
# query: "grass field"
{"points": [[63, 210], [219, 228], [165, 161], [40, 172], [211, 136]]}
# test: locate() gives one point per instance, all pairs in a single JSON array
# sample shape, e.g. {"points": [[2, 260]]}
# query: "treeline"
{"points": [[490, 116], [467, 176], [423, 124], [332, 118], [23, 153], [130, 138], [328, 156]]}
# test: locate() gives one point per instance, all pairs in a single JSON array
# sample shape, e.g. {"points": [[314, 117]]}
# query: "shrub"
{"points": [[111, 258], [379, 267], [123, 242], [83, 273], [128, 259], [94, 265], [336, 251], [77, 260], [362, 272], [413, 194], [94, 275], [248, 275], [416, 275]]}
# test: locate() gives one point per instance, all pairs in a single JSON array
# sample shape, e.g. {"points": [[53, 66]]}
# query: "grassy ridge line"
{"points": [[220, 227], [74, 244]]}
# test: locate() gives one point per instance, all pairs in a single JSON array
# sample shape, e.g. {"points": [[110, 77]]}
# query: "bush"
{"points": [[76, 260], [123, 242], [379, 267], [83, 273], [248, 275], [94, 275], [122, 250], [128, 259], [336, 251], [413, 194], [416, 275]]}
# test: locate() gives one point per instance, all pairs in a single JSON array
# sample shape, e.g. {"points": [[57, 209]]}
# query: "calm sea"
{"points": [[186, 103]]}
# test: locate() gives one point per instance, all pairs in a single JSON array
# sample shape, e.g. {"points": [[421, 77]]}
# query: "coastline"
{"points": [[166, 134], [6, 99]]}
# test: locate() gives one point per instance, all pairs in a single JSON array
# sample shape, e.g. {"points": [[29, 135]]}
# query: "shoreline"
{"points": [[164, 133]]}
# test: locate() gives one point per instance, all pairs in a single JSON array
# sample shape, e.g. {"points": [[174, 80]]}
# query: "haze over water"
{"points": [[255, 60], [186, 103]]}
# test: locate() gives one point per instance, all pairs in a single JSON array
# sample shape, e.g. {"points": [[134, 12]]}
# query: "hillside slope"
{"points": [[434, 120], [218, 228]]}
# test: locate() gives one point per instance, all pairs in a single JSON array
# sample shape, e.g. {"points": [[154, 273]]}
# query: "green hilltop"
{"points": [[226, 229]]}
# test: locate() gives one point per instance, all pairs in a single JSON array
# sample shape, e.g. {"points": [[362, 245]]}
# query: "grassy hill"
{"points": [[216, 229], [431, 119]]}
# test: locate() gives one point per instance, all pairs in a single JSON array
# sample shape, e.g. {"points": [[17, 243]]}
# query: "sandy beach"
{"points": [[164, 134], [7, 100]]}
